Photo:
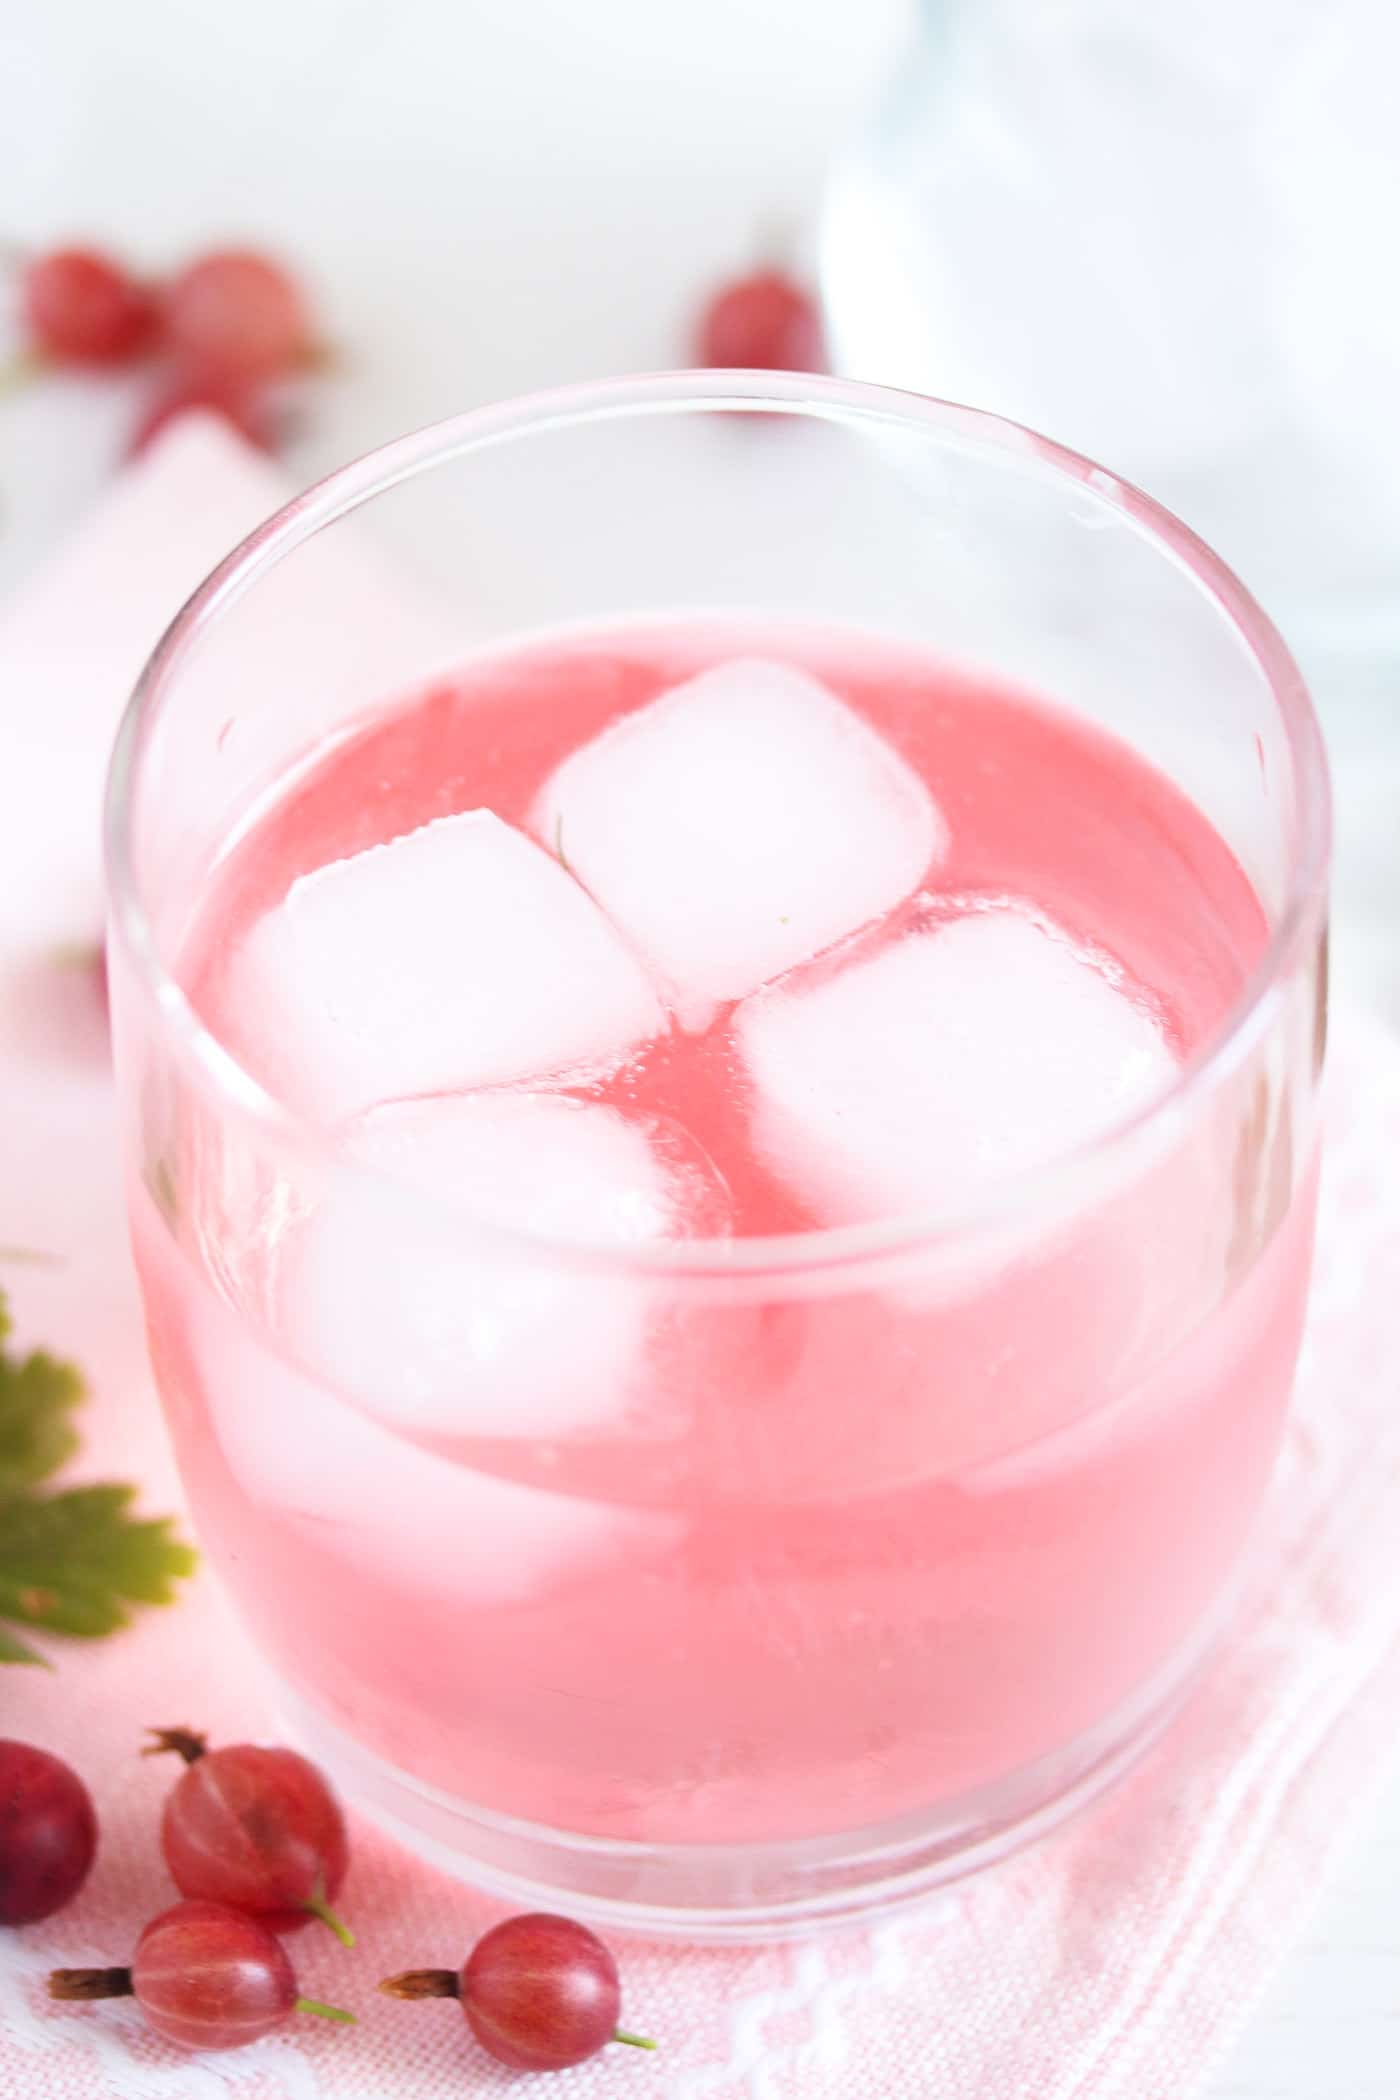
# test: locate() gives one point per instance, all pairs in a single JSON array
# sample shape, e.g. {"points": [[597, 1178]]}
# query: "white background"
{"points": [[491, 195]]}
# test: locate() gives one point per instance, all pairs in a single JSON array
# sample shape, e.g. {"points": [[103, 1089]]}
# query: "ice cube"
{"points": [[434, 1322], [738, 825], [457, 956], [977, 1047], [314, 1462]]}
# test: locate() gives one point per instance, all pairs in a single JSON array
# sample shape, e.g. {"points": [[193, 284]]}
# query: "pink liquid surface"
{"points": [[854, 1552]]}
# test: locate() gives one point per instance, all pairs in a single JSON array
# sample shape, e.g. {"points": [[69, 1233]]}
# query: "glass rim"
{"points": [[840, 401]]}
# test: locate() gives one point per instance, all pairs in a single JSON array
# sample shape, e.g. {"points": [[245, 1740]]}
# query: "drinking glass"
{"points": [[924, 1524]]}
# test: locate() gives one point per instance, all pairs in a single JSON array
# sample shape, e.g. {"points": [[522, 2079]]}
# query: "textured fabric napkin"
{"points": [[1117, 1959]]}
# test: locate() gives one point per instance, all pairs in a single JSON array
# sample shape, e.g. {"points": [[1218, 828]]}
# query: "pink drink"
{"points": [[809, 1563]]}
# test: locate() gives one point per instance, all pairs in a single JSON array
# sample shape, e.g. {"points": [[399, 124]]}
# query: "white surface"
{"points": [[494, 197], [1184, 203]]}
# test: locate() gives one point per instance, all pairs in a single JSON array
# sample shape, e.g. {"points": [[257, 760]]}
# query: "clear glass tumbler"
{"points": [[919, 1527]]}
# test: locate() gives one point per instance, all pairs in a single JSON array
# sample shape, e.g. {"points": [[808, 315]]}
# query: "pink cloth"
{"points": [[1117, 1959]]}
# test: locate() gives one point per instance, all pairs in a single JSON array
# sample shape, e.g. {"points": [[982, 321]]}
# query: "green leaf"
{"points": [[37, 1396], [14, 1650], [74, 1562]]}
